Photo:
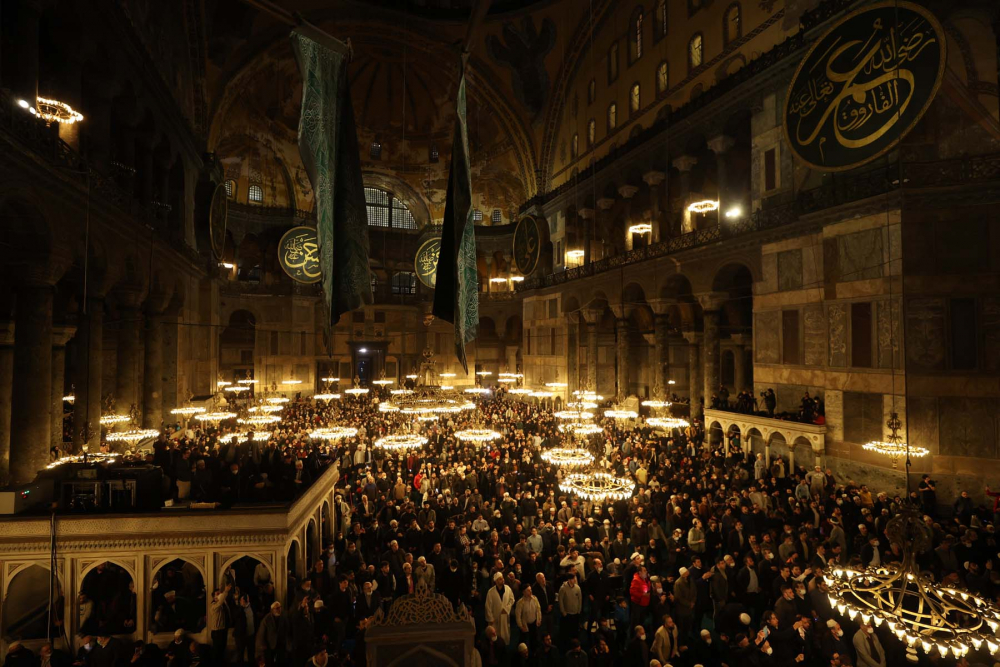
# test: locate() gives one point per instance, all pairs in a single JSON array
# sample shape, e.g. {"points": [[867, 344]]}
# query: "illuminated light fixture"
{"points": [[278, 399], [412, 376], [334, 433], [893, 446], [574, 254], [236, 389], [517, 279], [588, 395], [656, 404], [133, 436], [386, 406], [569, 457], [671, 381], [511, 375], [428, 418], [446, 375], [556, 385], [326, 397], [597, 485], [580, 429], [400, 392], [23, 104], [54, 111], [506, 379], [69, 398], [215, 416], [914, 607], [356, 391], [542, 394], [477, 435], [227, 265], [108, 420], [400, 441], [620, 414], [484, 373], [573, 414], [363, 350], [261, 436], [291, 382], [477, 390], [187, 411], [644, 228], [383, 382], [267, 408], [223, 383], [734, 212], [247, 381], [259, 420], [96, 457], [519, 391], [446, 387], [330, 379], [667, 422], [704, 206], [581, 405], [498, 280]]}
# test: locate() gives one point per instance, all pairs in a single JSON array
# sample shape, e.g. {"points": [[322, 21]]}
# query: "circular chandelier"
{"points": [[519, 391], [920, 612], [446, 375], [325, 397], [291, 382], [400, 441], [267, 408], [236, 389], [215, 416], [569, 457], [477, 435], [573, 414], [133, 435], [667, 422], [597, 485], [334, 433], [356, 391], [894, 447], [54, 111], [223, 383], [542, 394], [484, 373], [259, 420], [430, 417], [556, 385], [247, 381], [275, 400], [386, 406], [477, 390], [620, 414], [585, 395], [581, 405], [69, 398], [108, 420], [580, 429], [656, 404], [191, 410], [506, 379], [400, 392], [382, 382]]}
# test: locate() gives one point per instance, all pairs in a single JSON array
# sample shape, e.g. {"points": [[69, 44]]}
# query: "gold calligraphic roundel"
{"points": [[217, 214], [298, 254], [864, 84], [425, 262], [527, 246]]}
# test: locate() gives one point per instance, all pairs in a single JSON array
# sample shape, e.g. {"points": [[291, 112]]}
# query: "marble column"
{"points": [[60, 336], [129, 368], [627, 192], [653, 180], [31, 404], [710, 304], [572, 352], [684, 164], [587, 215], [739, 369], [721, 145], [694, 369], [591, 355], [152, 375], [661, 352], [621, 357], [608, 246], [90, 376], [169, 355], [6, 394]]}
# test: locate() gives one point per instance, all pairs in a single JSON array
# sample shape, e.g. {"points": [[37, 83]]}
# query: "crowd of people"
{"points": [[715, 559], [810, 410]]}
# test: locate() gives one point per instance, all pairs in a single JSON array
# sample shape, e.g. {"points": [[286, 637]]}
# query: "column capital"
{"points": [[661, 307], [128, 297], [685, 162], [61, 334], [653, 178], [649, 338], [692, 337], [712, 300], [618, 309], [592, 315], [627, 191], [573, 318], [721, 144], [605, 203], [586, 213]]}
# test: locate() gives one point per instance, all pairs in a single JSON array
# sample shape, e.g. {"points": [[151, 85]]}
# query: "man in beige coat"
{"points": [[868, 647]]}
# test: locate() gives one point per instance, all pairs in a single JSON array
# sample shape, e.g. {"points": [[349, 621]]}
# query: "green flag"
{"points": [[456, 292], [328, 143]]}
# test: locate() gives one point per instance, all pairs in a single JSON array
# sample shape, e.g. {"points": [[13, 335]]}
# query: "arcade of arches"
{"points": [[685, 252]]}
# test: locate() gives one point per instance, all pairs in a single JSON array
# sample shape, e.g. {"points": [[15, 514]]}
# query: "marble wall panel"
{"points": [[790, 269], [925, 332], [889, 330], [968, 426], [837, 322], [767, 346], [815, 335]]}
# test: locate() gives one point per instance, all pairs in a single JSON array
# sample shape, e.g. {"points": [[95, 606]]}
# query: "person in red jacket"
{"points": [[639, 593]]}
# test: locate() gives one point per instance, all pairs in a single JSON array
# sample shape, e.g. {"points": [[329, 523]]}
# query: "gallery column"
{"points": [[621, 356], [89, 376], [592, 317], [710, 305], [31, 404], [128, 367], [661, 352], [60, 336], [152, 374], [6, 394], [694, 368]]}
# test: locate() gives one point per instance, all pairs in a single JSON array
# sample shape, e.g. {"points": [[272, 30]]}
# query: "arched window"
{"points": [[376, 150], [255, 194], [477, 215], [635, 36], [660, 20], [662, 78], [732, 29], [612, 116], [230, 188], [696, 52], [404, 282], [591, 133], [634, 99], [613, 63], [591, 91], [497, 216], [575, 145], [385, 210]]}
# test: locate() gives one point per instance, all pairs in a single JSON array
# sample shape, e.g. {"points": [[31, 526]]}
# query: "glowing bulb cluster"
{"points": [[334, 433], [477, 435], [400, 441]]}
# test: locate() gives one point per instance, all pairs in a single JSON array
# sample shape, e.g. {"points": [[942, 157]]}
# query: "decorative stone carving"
{"points": [[424, 606], [889, 333], [837, 319], [790, 270], [766, 344], [969, 427], [815, 335], [925, 324]]}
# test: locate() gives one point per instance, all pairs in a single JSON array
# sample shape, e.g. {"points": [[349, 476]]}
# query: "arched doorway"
{"points": [[107, 601], [177, 597], [252, 577], [26, 605]]}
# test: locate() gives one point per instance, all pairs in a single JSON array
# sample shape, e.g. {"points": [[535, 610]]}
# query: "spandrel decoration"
{"points": [[864, 85], [298, 254]]}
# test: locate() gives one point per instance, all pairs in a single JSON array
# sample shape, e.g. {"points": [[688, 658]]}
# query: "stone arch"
{"points": [[754, 441], [243, 576], [188, 609], [402, 191], [571, 304], [292, 557], [778, 445], [716, 431], [803, 453], [736, 280], [108, 596], [21, 615]]}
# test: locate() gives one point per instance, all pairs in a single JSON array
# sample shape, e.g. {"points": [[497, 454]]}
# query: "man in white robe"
{"points": [[499, 602]]}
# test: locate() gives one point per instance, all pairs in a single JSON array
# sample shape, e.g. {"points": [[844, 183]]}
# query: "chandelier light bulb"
{"points": [[401, 441], [334, 433]]}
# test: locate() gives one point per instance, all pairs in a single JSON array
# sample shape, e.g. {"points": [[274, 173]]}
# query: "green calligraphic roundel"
{"points": [[298, 254], [527, 246], [864, 84], [425, 263]]}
